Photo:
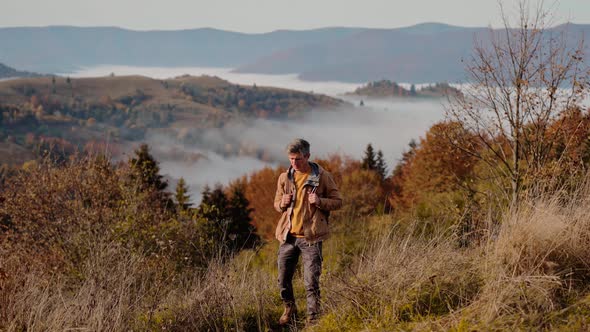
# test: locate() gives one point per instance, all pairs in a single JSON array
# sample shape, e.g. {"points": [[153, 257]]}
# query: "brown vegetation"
{"points": [[82, 248]]}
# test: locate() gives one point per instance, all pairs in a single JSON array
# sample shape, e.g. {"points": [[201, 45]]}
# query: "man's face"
{"points": [[299, 161]]}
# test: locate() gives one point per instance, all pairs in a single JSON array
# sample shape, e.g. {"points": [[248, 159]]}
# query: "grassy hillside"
{"points": [[75, 112]]}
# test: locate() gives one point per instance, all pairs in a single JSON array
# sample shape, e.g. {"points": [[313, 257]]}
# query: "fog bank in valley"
{"points": [[388, 125]]}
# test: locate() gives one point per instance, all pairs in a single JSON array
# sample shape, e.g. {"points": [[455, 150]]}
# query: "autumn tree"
{"points": [[400, 174], [362, 191], [434, 166], [520, 80], [569, 157], [260, 190]]}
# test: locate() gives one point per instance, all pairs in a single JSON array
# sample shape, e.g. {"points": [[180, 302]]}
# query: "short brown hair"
{"points": [[298, 145]]}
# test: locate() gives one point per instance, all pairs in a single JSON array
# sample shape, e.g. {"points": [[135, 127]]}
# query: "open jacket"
{"points": [[315, 218]]}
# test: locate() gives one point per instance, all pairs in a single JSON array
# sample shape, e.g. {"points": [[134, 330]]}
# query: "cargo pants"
{"points": [[288, 256]]}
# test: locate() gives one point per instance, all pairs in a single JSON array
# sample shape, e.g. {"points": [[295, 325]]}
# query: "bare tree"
{"points": [[521, 81]]}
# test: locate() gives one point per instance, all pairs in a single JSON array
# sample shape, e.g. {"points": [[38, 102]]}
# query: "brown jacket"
{"points": [[315, 219]]}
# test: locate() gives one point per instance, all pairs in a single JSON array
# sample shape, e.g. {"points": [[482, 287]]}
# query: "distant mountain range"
{"points": [[428, 52]]}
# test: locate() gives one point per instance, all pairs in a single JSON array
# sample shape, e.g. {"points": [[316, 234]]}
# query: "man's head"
{"points": [[298, 151]]}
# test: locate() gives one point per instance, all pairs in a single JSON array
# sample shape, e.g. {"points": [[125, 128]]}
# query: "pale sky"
{"points": [[254, 16]]}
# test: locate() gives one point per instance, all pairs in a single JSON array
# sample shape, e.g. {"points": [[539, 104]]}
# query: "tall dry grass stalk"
{"points": [[112, 288], [237, 295], [401, 277], [539, 260]]}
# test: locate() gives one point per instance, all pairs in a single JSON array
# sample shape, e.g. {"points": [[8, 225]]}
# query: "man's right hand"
{"points": [[286, 200]]}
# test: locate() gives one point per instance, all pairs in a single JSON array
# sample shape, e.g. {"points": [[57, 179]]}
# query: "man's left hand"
{"points": [[314, 199]]}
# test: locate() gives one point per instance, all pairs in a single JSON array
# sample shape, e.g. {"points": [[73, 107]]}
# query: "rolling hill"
{"points": [[36, 113], [9, 72]]}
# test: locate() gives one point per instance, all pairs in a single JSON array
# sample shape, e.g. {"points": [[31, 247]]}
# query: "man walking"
{"points": [[305, 195]]}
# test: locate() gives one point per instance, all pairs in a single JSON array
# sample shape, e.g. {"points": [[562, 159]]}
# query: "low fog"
{"points": [[388, 124]]}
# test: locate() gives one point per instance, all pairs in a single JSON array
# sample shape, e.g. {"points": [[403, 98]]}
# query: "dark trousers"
{"points": [[289, 253]]}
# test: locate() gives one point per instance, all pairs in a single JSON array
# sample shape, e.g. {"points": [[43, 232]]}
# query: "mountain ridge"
{"points": [[9, 72], [426, 52]]}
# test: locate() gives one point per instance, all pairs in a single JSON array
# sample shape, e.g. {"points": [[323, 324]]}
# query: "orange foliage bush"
{"points": [[435, 165], [362, 192], [260, 191]]}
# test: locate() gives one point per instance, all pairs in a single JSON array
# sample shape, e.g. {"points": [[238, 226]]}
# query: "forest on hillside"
{"points": [[387, 88], [481, 225], [63, 115]]}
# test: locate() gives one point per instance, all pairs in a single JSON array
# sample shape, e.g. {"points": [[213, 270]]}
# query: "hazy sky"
{"points": [[267, 15]]}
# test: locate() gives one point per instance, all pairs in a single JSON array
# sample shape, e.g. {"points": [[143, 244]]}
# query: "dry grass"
{"points": [[112, 288], [538, 262]]}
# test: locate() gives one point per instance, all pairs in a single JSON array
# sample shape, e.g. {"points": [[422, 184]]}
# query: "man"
{"points": [[305, 195]]}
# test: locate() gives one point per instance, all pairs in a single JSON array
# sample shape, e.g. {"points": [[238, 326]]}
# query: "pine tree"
{"points": [[228, 218], [380, 165], [147, 169], [182, 197], [369, 161], [213, 204], [146, 174], [241, 231]]}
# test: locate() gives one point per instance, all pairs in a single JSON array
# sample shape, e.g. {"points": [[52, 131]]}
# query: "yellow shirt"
{"points": [[297, 216]]}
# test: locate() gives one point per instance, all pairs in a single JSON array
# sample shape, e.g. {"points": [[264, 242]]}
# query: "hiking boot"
{"points": [[288, 314]]}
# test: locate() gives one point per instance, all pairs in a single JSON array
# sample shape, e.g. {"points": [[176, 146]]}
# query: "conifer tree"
{"points": [[146, 173], [213, 204], [229, 221], [241, 228], [369, 161], [182, 197], [147, 169], [380, 165]]}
